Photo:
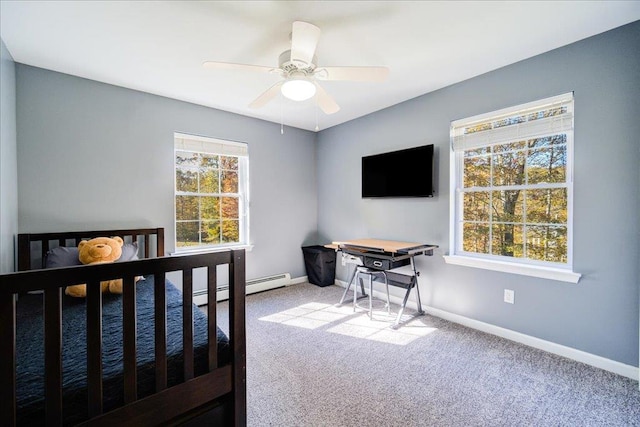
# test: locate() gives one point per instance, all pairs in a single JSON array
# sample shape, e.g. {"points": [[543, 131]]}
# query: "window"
{"points": [[211, 193], [512, 189]]}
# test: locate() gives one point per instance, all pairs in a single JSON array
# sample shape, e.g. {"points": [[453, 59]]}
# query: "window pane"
{"points": [[507, 240], [210, 161], [229, 182], [547, 206], [230, 231], [477, 171], [229, 207], [547, 243], [476, 206], [210, 232], [187, 159], [229, 162], [186, 180], [476, 151], [508, 168], [512, 146], [475, 238], [547, 165], [507, 206], [209, 181], [187, 233], [209, 208], [547, 141], [187, 208]]}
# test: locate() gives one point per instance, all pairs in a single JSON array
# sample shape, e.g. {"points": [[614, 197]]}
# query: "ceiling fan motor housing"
{"points": [[288, 66]]}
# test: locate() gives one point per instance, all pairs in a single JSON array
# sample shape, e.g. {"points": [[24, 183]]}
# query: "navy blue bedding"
{"points": [[30, 351]]}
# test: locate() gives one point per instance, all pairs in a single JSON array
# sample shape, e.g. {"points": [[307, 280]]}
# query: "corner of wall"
{"points": [[8, 161]]}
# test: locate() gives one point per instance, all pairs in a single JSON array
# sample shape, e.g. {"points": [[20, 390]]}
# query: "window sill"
{"points": [[247, 248], [507, 267]]}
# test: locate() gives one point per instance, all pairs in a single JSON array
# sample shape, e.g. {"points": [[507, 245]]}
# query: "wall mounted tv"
{"points": [[403, 173]]}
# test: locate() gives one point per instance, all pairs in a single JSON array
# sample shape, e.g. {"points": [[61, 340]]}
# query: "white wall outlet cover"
{"points": [[509, 296]]}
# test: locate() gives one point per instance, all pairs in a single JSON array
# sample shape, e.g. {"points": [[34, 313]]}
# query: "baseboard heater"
{"points": [[253, 286]]}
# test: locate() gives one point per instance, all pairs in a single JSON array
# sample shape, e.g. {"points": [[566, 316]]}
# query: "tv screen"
{"points": [[403, 173]]}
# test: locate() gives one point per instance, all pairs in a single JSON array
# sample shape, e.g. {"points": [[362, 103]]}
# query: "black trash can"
{"points": [[320, 263]]}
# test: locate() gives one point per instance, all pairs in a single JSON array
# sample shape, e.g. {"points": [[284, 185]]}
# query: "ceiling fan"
{"points": [[299, 69]]}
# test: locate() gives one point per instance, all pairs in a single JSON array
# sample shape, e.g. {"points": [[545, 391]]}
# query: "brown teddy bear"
{"points": [[98, 251]]}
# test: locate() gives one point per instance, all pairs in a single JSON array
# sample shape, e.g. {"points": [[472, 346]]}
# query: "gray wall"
{"points": [[92, 155], [598, 315], [8, 161]]}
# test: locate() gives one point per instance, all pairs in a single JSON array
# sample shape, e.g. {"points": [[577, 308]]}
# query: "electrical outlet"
{"points": [[509, 296]]}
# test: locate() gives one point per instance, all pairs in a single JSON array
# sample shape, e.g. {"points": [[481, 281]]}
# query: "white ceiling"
{"points": [[159, 46]]}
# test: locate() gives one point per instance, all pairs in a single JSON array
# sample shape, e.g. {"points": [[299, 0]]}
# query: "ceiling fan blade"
{"points": [[356, 74], [266, 96], [231, 66], [325, 101], [304, 39]]}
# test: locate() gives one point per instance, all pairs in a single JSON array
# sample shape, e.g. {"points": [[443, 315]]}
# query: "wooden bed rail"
{"points": [[152, 410]]}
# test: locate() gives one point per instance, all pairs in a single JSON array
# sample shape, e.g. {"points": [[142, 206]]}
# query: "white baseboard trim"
{"points": [[256, 285], [298, 280], [600, 362]]}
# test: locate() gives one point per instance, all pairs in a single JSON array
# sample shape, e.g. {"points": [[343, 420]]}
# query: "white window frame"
{"points": [[535, 128], [202, 144]]}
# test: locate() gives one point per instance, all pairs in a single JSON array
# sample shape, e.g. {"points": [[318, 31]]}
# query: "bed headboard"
{"points": [[32, 247]]}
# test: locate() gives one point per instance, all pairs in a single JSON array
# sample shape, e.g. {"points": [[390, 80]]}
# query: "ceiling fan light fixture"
{"points": [[298, 89]]}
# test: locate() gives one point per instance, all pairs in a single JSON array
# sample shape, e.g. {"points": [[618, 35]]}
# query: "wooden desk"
{"points": [[386, 255], [390, 246]]}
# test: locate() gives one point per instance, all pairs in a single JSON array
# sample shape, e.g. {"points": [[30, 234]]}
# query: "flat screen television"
{"points": [[403, 173]]}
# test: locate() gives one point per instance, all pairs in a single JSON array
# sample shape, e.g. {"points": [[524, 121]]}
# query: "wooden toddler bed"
{"points": [[146, 357]]}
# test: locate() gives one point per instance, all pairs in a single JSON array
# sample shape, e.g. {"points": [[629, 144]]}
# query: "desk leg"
{"points": [[415, 278], [420, 310], [355, 286], [344, 294], [404, 303], [406, 298], [370, 296]]}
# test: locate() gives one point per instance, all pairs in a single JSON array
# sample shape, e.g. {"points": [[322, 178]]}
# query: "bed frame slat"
{"points": [[212, 317], [8, 357], [53, 355], [160, 309], [160, 243], [146, 246], [45, 250], [24, 252], [94, 348], [187, 322], [237, 291], [129, 339]]}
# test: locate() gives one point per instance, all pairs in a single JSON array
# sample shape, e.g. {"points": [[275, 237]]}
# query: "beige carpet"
{"points": [[311, 363]]}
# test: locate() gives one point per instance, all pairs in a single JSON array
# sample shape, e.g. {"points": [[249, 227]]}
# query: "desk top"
{"points": [[380, 245]]}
